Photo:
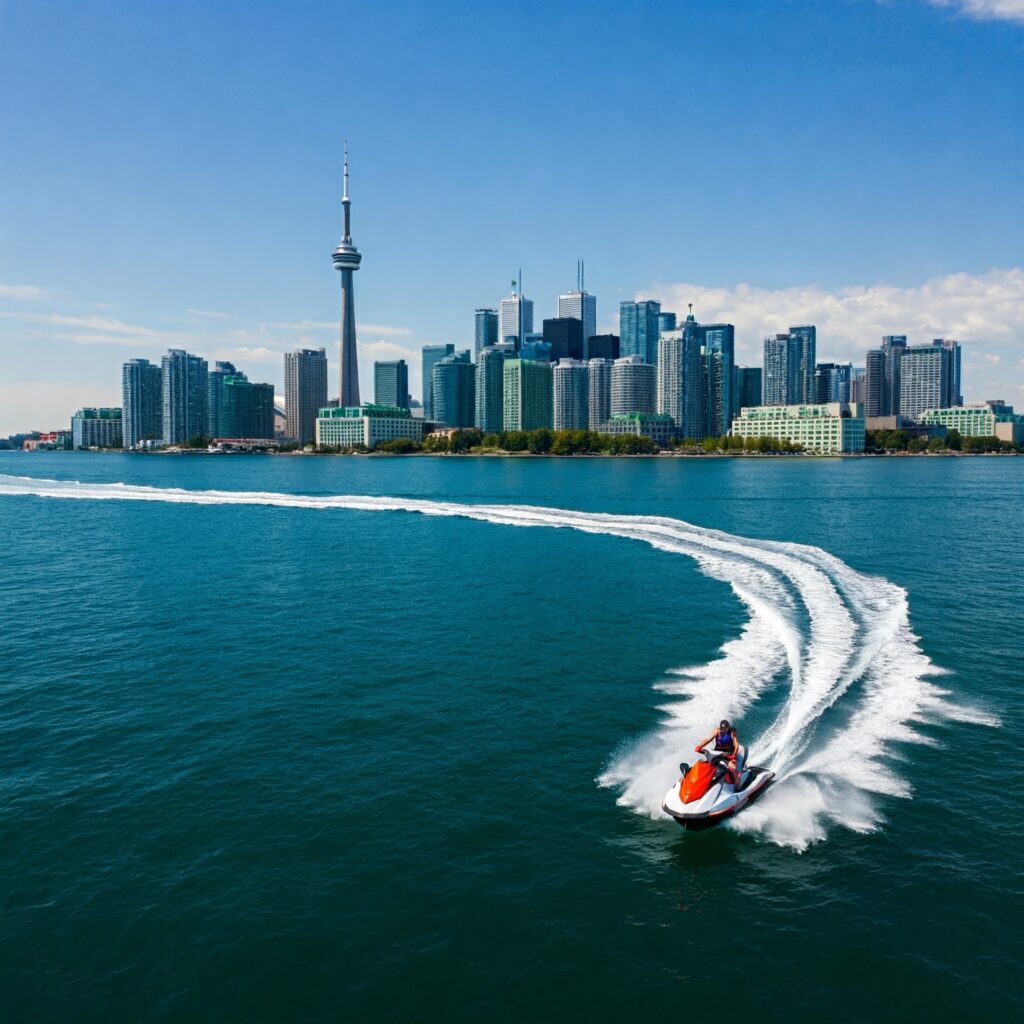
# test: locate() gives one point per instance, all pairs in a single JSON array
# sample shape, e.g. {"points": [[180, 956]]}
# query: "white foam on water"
{"points": [[837, 642]]}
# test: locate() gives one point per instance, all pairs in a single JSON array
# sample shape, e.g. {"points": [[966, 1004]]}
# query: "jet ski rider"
{"points": [[728, 743]]}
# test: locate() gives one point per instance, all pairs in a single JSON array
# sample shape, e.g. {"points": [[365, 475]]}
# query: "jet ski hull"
{"points": [[704, 814]]}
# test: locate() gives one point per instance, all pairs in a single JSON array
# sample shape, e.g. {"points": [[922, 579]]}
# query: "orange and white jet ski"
{"points": [[707, 792]]}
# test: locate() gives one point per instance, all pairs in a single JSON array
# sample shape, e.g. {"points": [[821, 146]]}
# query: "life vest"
{"points": [[723, 740]]}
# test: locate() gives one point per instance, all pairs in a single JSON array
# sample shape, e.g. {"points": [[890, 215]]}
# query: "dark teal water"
{"points": [[269, 763]]}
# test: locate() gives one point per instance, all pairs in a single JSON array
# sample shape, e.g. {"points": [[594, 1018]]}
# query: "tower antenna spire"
{"points": [[345, 201]]}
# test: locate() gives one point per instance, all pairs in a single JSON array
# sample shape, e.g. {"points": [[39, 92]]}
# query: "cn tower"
{"points": [[347, 258]]}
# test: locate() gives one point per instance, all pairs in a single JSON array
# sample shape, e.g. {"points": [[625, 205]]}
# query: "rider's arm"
{"points": [[703, 743]]}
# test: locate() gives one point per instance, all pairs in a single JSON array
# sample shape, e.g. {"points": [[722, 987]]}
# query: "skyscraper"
{"points": [[453, 389], [246, 408], [667, 322], [602, 346], [680, 380], [833, 382], [719, 364], [804, 342], [528, 395], [882, 377], [580, 305], [431, 355], [954, 347], [516, 318], [639, 329], [490, 386], [748, 388], [142, 402], [928, 378], [565, 336], [391, 383], [485, 329], [305, 391], [599, 398], [789, 362], [183, 383], [571, 395], [346, 259], [214, 398], [633, 386]]}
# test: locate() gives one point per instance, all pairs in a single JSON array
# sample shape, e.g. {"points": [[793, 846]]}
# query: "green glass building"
{"points": [[528, 395]]}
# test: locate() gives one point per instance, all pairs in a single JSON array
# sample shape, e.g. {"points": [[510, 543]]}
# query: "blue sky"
{"points": [[169, 175]]}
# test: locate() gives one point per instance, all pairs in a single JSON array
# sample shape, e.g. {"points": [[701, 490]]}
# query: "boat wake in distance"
{"points": [[826, 636]]}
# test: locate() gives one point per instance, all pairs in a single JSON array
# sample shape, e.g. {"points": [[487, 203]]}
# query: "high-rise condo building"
{"points": [[639, 329], [96, 428], [634, 383], [346, 259], [748, 388], [142, 398], [391, 383], [215, 398], [528, 395], [681, 380], [485, 329], [805, 343], [882, 377], [453, 390], [580, 305], [305, 391], [599, 398], [667, 322], [246, 409], [565, 336], [928, 378], [833, 382], [719, 365], [571, 395], [432, 354], [789, 361], [954, 347], [516, 317], [857, 386], [602, 346], [490, 387], [183, 382]]}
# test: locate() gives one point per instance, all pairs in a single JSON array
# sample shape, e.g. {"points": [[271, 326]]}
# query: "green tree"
{"points": [[540, 441], [399, 446]]}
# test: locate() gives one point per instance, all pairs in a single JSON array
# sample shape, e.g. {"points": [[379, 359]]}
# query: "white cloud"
{"points": [[211, 314], [986, 10], [984, 311], [28, 292]]}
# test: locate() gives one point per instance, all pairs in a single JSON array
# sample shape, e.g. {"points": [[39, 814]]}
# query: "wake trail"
{"points": [[829, 637]]}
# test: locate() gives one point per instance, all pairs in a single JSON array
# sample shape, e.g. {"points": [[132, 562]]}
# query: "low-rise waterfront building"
{"points": [[828, 428], [94, 427], [367, 425], [659, 427], [984, 419]]}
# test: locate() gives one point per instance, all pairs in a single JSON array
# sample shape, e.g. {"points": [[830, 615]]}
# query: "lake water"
{"points": [[274, 752]]}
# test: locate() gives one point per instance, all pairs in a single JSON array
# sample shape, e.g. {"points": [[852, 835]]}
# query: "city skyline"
{"points": [[934, 259]]}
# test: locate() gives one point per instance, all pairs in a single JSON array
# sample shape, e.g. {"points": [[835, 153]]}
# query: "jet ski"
{"points": [[703, 796]]}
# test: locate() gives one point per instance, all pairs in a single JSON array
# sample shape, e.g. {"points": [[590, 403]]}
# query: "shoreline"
{"points": [[538, 455]]}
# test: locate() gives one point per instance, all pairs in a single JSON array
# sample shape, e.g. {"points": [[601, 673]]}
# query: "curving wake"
{"points": [[834, 639]]}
